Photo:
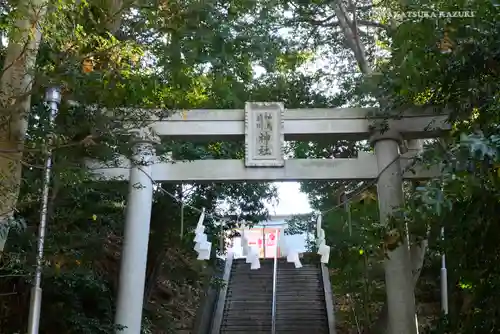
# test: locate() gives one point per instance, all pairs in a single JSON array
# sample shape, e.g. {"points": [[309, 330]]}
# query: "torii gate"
{"points": [[265, 126]]}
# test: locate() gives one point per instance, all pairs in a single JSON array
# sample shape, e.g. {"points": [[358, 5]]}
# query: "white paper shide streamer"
{"points": [[251, 252], [290, 251], [202, 246], [244, 241], [323, 249]]}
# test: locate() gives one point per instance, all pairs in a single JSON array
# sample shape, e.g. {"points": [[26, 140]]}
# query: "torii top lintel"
{"points": [[299, 124]]}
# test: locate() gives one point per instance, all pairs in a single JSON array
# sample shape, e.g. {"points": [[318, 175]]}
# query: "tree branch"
{"points": [[350, 35], [417, 256], [330, 24]]}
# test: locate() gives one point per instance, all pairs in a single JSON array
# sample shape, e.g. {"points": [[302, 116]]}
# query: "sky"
{"points": [[291, 200]]}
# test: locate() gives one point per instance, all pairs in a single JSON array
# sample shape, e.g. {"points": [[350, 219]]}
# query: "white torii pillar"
{"points": [[398, 275], [136, 236]]}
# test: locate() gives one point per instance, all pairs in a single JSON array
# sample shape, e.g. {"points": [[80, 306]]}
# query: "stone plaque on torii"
{"points": [[265, 127], [264, 139]]}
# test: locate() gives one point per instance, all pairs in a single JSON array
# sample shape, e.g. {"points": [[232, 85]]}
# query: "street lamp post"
{"points": [[444, 280], [52, 100]]}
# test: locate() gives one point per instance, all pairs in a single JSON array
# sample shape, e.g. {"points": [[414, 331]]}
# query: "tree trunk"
{"points": [[158, 246], [152, 273], [15, 97], [115, 16], [417, 253]]}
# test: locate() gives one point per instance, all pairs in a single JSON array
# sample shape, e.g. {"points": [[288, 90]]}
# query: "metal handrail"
{"points": [[275, 278]]}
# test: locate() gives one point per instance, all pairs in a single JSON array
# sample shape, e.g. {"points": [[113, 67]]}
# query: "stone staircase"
{"points": [[300, 300], [248, 305], [303, 300]]}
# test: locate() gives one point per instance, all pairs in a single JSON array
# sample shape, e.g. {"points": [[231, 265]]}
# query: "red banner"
{"points": [[255, 235]]}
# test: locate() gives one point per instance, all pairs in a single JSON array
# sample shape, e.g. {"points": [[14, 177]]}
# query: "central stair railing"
{"points": [[275, 279]]}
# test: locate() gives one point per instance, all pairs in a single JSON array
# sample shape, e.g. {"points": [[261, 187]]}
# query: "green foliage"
{"points": [[462, 200], [414, 70], [178, 55], [191, 54]]}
